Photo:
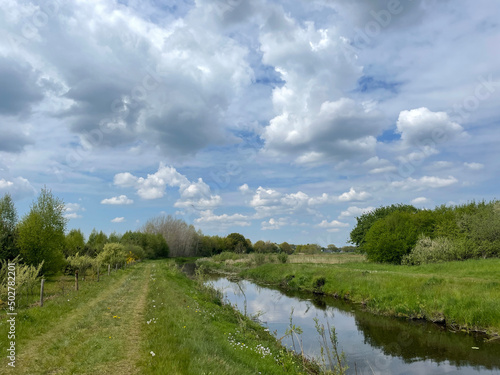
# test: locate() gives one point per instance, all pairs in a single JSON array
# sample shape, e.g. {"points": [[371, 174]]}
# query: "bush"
{"points": [[283, 257], [259, 259], [391, 238], [441, 249], [112, 253]]}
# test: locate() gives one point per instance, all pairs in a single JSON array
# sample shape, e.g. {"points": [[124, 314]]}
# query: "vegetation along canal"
{"points": [[372, 344]]}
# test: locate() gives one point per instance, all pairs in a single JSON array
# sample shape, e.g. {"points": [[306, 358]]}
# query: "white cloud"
{"points": [[354, 211], [118, 220], [333, 226], [474, 166], [122, 199], [244, 188], [426, 129], [208, 217], [17, 187], [424, 183], [274, 224], [72, 210], [353, 195], [192, 194], [419, 200]]}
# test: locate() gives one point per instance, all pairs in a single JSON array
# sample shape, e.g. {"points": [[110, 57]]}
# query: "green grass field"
{"points": [[147, 319], [465, 295]]}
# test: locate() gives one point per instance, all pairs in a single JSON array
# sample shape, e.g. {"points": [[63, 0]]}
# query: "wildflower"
{"points": [[152, 353], [114, 316]]}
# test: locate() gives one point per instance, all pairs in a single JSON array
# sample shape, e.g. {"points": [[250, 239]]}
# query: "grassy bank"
{"points": [[147, 319], [462, 295]]}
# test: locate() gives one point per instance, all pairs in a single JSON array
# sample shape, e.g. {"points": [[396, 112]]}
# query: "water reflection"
{"points": [[374, 344]]}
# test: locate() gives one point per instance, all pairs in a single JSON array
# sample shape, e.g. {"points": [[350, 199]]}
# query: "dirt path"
{"points": [[102, 337]]}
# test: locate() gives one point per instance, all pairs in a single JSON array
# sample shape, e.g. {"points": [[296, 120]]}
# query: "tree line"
{"points": [[403, 234], [40, 237]]}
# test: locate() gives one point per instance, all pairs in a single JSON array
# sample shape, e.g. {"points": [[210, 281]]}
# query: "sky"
{"points": [[279, 120]]}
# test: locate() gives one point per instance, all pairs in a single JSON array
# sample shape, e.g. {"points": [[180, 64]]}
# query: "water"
{"points": [[372, 344]]}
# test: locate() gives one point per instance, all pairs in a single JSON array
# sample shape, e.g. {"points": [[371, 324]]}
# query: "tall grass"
{"points": [[462, 295]]}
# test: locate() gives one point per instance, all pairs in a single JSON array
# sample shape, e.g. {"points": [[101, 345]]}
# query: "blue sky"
{"points": [[279, 120]]}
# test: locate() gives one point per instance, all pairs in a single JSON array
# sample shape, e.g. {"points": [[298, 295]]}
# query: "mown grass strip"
{"points": [[84, 332]]}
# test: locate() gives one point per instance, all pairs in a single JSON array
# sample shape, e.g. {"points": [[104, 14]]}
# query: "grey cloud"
{"points": [[18, 87], [13, 142]]}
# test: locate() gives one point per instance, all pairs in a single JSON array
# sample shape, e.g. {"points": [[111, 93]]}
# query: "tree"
{"points": [[237, 243], [333, 249], [74, 243], [8, 220], [394, 236], [285, 247], [365, 221], [182, 239], [259, 246], [41, 233], [96, 242]]}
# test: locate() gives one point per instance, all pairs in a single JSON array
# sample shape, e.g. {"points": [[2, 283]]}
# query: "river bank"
{"points": [[460, 295]]}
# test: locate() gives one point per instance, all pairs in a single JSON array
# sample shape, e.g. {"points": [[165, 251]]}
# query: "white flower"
{"points": [[152, 353]]}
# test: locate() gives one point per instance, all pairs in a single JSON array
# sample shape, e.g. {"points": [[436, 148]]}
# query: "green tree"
{"points": [[332, 248], [96, 242], [8, 220], [41, 233], [237, 243], [74, 243], [394, 236], [365, 221], [285, 247]]}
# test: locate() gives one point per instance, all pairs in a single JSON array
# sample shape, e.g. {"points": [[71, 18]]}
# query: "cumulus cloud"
{"points": [[17, 187], [273, 224], [333, 226], [353, 195], [270, 202], [244, 188], [192, 194], [122, 199], [118, 220], [420, 200], [72, 210], [209, 218], [354, 211], [123, 77], [424, 183], [424, 128], [315, 122]]}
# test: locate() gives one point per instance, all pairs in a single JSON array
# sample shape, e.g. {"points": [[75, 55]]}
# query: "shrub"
{"points": [[259, 259], [391, 238], [112, 253], [441, 249], [283, 257]]}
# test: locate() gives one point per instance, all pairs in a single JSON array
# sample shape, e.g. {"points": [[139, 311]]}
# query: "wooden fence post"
{"points": [[116, 267], [76, 280], [41, 293], [109, 268]]}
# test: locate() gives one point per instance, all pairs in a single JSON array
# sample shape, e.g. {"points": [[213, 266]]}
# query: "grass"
{"points": [[462, 295], [146, 319]]}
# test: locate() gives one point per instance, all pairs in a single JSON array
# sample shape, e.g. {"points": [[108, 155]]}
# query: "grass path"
{"points": [[101, 336], [147, 319]]}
